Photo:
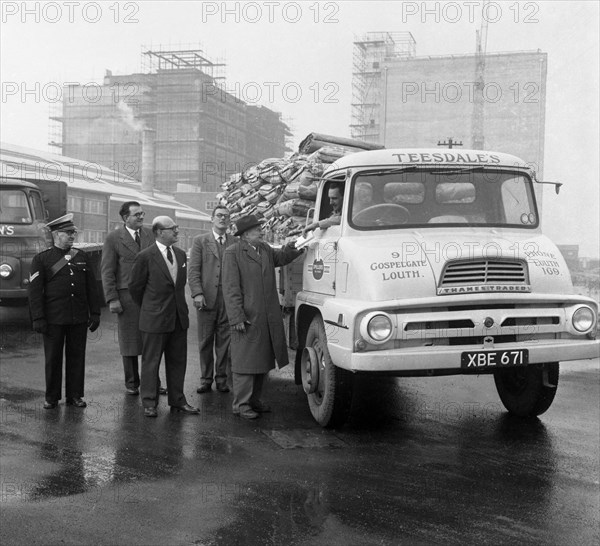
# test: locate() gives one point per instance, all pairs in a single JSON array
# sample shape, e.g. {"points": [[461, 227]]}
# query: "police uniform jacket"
{"points": [[68, 297]]}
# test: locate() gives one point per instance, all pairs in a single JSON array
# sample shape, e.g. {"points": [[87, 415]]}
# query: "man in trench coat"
{"points": [[118, 254], [254, 313]]}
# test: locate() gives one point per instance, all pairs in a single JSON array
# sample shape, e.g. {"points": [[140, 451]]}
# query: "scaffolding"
{"points": [[155, 60], [174, 120], [371, 51], [55, 126]]}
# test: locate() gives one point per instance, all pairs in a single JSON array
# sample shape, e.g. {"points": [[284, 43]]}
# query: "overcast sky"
{"points": [[296, 58]]}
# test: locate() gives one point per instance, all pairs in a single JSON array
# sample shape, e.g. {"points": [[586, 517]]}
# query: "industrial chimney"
{"points": [[148, 161]]}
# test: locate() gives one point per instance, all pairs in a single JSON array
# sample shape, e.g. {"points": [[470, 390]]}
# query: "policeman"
{"points": [[64, 303]]}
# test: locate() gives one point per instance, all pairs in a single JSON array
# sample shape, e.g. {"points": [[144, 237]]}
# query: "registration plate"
{"points": [[476, 360]]}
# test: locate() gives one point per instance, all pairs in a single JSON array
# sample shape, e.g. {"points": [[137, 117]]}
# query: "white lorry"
{"points": [[438, 267]]}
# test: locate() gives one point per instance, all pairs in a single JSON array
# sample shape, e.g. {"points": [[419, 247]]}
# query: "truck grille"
{"points": [[476, 272]]}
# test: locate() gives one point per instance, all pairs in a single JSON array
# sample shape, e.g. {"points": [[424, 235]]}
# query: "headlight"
{"points": [[379, 327], [5, 271], [583, 319]]}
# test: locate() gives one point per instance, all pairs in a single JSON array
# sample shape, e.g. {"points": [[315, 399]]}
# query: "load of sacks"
{"points": [[280, 191]]}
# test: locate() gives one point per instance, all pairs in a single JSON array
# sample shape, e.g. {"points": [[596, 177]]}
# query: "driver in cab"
{"points": [[335, 194]]}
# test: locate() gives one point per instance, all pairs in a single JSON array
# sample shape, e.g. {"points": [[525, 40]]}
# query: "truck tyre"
{"points": [[331, 401], [527, 391]]}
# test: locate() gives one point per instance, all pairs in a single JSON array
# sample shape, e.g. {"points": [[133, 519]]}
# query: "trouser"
{"points": [[131, 369], [213, 342], [69, 339], [247, 388], [174, 346], [130, 339]]}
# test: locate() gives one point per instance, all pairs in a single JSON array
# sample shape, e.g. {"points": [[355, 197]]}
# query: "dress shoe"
{"points": [[133, 391], [77, 402], [223, 388], [186, 409], [162, 390], [261, 408], [247, 414], [50, 405], [150, 412], [203, 389]]}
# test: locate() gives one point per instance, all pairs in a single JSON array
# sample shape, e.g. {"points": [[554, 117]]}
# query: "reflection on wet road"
{"points": [[421, 461]]}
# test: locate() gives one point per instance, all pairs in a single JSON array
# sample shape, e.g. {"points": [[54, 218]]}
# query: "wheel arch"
{"points": [[304, 316]]}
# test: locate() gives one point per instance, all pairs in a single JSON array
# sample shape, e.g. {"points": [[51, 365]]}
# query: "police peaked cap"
{"points": [[62, 223]]}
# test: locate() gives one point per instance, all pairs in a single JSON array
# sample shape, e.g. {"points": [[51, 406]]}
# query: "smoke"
{"points": [[128, 116]]}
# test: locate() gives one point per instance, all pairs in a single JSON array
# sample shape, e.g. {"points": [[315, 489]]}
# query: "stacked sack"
{"points": [[280, 191]]}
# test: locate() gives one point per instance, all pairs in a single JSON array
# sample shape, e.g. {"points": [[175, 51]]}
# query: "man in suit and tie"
{"points": [[118, 254], [204, 275], [157, 285]]}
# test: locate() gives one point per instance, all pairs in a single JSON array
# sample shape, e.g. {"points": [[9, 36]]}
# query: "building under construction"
{"points": [[173, 125], [493, 101]]}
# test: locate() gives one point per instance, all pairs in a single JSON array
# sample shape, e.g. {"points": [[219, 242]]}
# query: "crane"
{"points": [[478, 102]]}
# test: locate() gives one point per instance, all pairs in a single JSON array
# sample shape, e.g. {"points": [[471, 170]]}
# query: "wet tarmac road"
{"points": [[421, 461]]}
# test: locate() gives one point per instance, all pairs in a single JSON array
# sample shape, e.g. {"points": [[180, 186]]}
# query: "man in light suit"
{"points": [[204, 274], [157, 285], [118, 254]]}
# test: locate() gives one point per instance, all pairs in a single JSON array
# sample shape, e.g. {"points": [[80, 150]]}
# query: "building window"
{"points": [[210, 205], [74, 204], [93, 236], [94, 206]]}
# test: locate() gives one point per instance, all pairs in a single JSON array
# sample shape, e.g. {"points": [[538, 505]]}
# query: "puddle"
{"points": [[293, 439]]}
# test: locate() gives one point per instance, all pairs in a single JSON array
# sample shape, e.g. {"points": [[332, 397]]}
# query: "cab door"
{"points": [[320, 262]]}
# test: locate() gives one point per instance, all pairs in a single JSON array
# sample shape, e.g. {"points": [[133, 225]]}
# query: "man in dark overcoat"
{"points": [[254, 312], [157, 286], [64, 303], [118, 254], [204, 276]]}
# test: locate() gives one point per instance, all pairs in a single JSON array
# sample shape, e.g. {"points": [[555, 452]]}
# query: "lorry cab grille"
{"points": [[472, 272]]}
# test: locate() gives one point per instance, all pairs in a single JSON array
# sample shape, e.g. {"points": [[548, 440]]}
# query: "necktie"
{"points": [[169, 255], [137, 239], [220, 239]]}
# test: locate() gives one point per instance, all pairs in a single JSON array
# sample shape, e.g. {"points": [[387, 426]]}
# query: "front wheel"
{"points": [[527, 391], [328, 388]]}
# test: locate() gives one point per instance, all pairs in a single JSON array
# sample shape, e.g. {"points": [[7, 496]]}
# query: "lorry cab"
{"points": [[439, 266], [23, 234]]}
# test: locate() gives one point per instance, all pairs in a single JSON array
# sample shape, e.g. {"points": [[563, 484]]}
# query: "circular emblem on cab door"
{"points": [[317, 269]]}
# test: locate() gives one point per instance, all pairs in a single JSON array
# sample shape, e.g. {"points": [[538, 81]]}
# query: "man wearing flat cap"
{"points": [[64, 302], [254, 313]]}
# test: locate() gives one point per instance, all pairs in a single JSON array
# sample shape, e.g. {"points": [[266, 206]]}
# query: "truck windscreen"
{"points": [[14, 207], [433, 198]]}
